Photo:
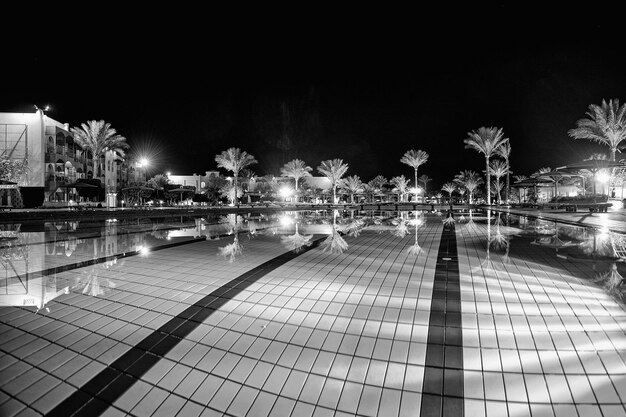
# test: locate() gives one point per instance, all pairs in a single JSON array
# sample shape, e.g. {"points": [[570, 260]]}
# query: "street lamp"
{"points": [[44, 109]]}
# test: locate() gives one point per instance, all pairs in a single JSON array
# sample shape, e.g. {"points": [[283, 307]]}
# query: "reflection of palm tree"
{"points": [[401, 228], [296, 241], [91, 283], [449, 220], [334, 243], [352, 227], [613, 282], [553, 240], [231, 250]]}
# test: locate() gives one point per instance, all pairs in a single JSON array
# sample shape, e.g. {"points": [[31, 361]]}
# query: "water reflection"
{"points": [[232, 223], [297, 241], [89, 281], [551, 238], [416, 222], [334, 243], [613, 282], [32, 256]]}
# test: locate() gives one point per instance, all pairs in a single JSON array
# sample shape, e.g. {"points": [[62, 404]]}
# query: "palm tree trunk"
{"points": [[508, 181], [415, 185], [334, 195], [612, 155], [488, 182], [296, 178], [498, 190]]}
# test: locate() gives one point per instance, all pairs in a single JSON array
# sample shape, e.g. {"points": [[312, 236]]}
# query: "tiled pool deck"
{"points": [[388, 327]]}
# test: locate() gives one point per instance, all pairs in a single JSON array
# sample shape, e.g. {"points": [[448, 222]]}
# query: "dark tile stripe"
{"points": [[443, 374], [94, 397]]}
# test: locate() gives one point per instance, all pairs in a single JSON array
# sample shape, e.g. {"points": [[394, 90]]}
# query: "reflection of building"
{"points": [[198, 181], [19, 257], [53, 157]]}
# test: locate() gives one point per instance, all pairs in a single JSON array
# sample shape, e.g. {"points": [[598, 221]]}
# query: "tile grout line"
{"points": [[442, 393]]}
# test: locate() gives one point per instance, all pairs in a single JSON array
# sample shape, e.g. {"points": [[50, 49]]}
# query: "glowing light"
{"points": [[286, 221], [602, 177], [168, 173], [285, 192]]}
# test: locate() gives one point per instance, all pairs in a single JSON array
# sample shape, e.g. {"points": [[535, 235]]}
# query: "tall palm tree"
{"points": [[234, 160], [401, 185], [498, 169], [414, 159], [296, 169], [449, 187], [470, 180], [424, 179], [334, 170], [486, 141], [99, 137], [504, 152], [605, 124], [352, 185]]}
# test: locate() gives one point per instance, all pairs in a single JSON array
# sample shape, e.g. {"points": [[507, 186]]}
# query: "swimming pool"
{"points": [[313, 313]]}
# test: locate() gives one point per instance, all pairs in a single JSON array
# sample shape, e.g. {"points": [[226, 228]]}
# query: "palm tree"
{"points": [[414, 159], [352, 185], [498, 169], [486, 141], [449, 187], [401, 185], [377, 185], [470, 180], [605, 124], [99, 137], [296, 169], [234, 160], [334, 170], [504, 152], [424, 179]]}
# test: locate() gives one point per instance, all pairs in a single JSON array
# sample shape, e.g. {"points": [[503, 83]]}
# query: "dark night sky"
{"points": [[361, 85]]}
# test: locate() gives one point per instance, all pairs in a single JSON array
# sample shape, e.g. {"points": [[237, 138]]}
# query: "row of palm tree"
{"points": [[235, 160], [604, 124]]}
